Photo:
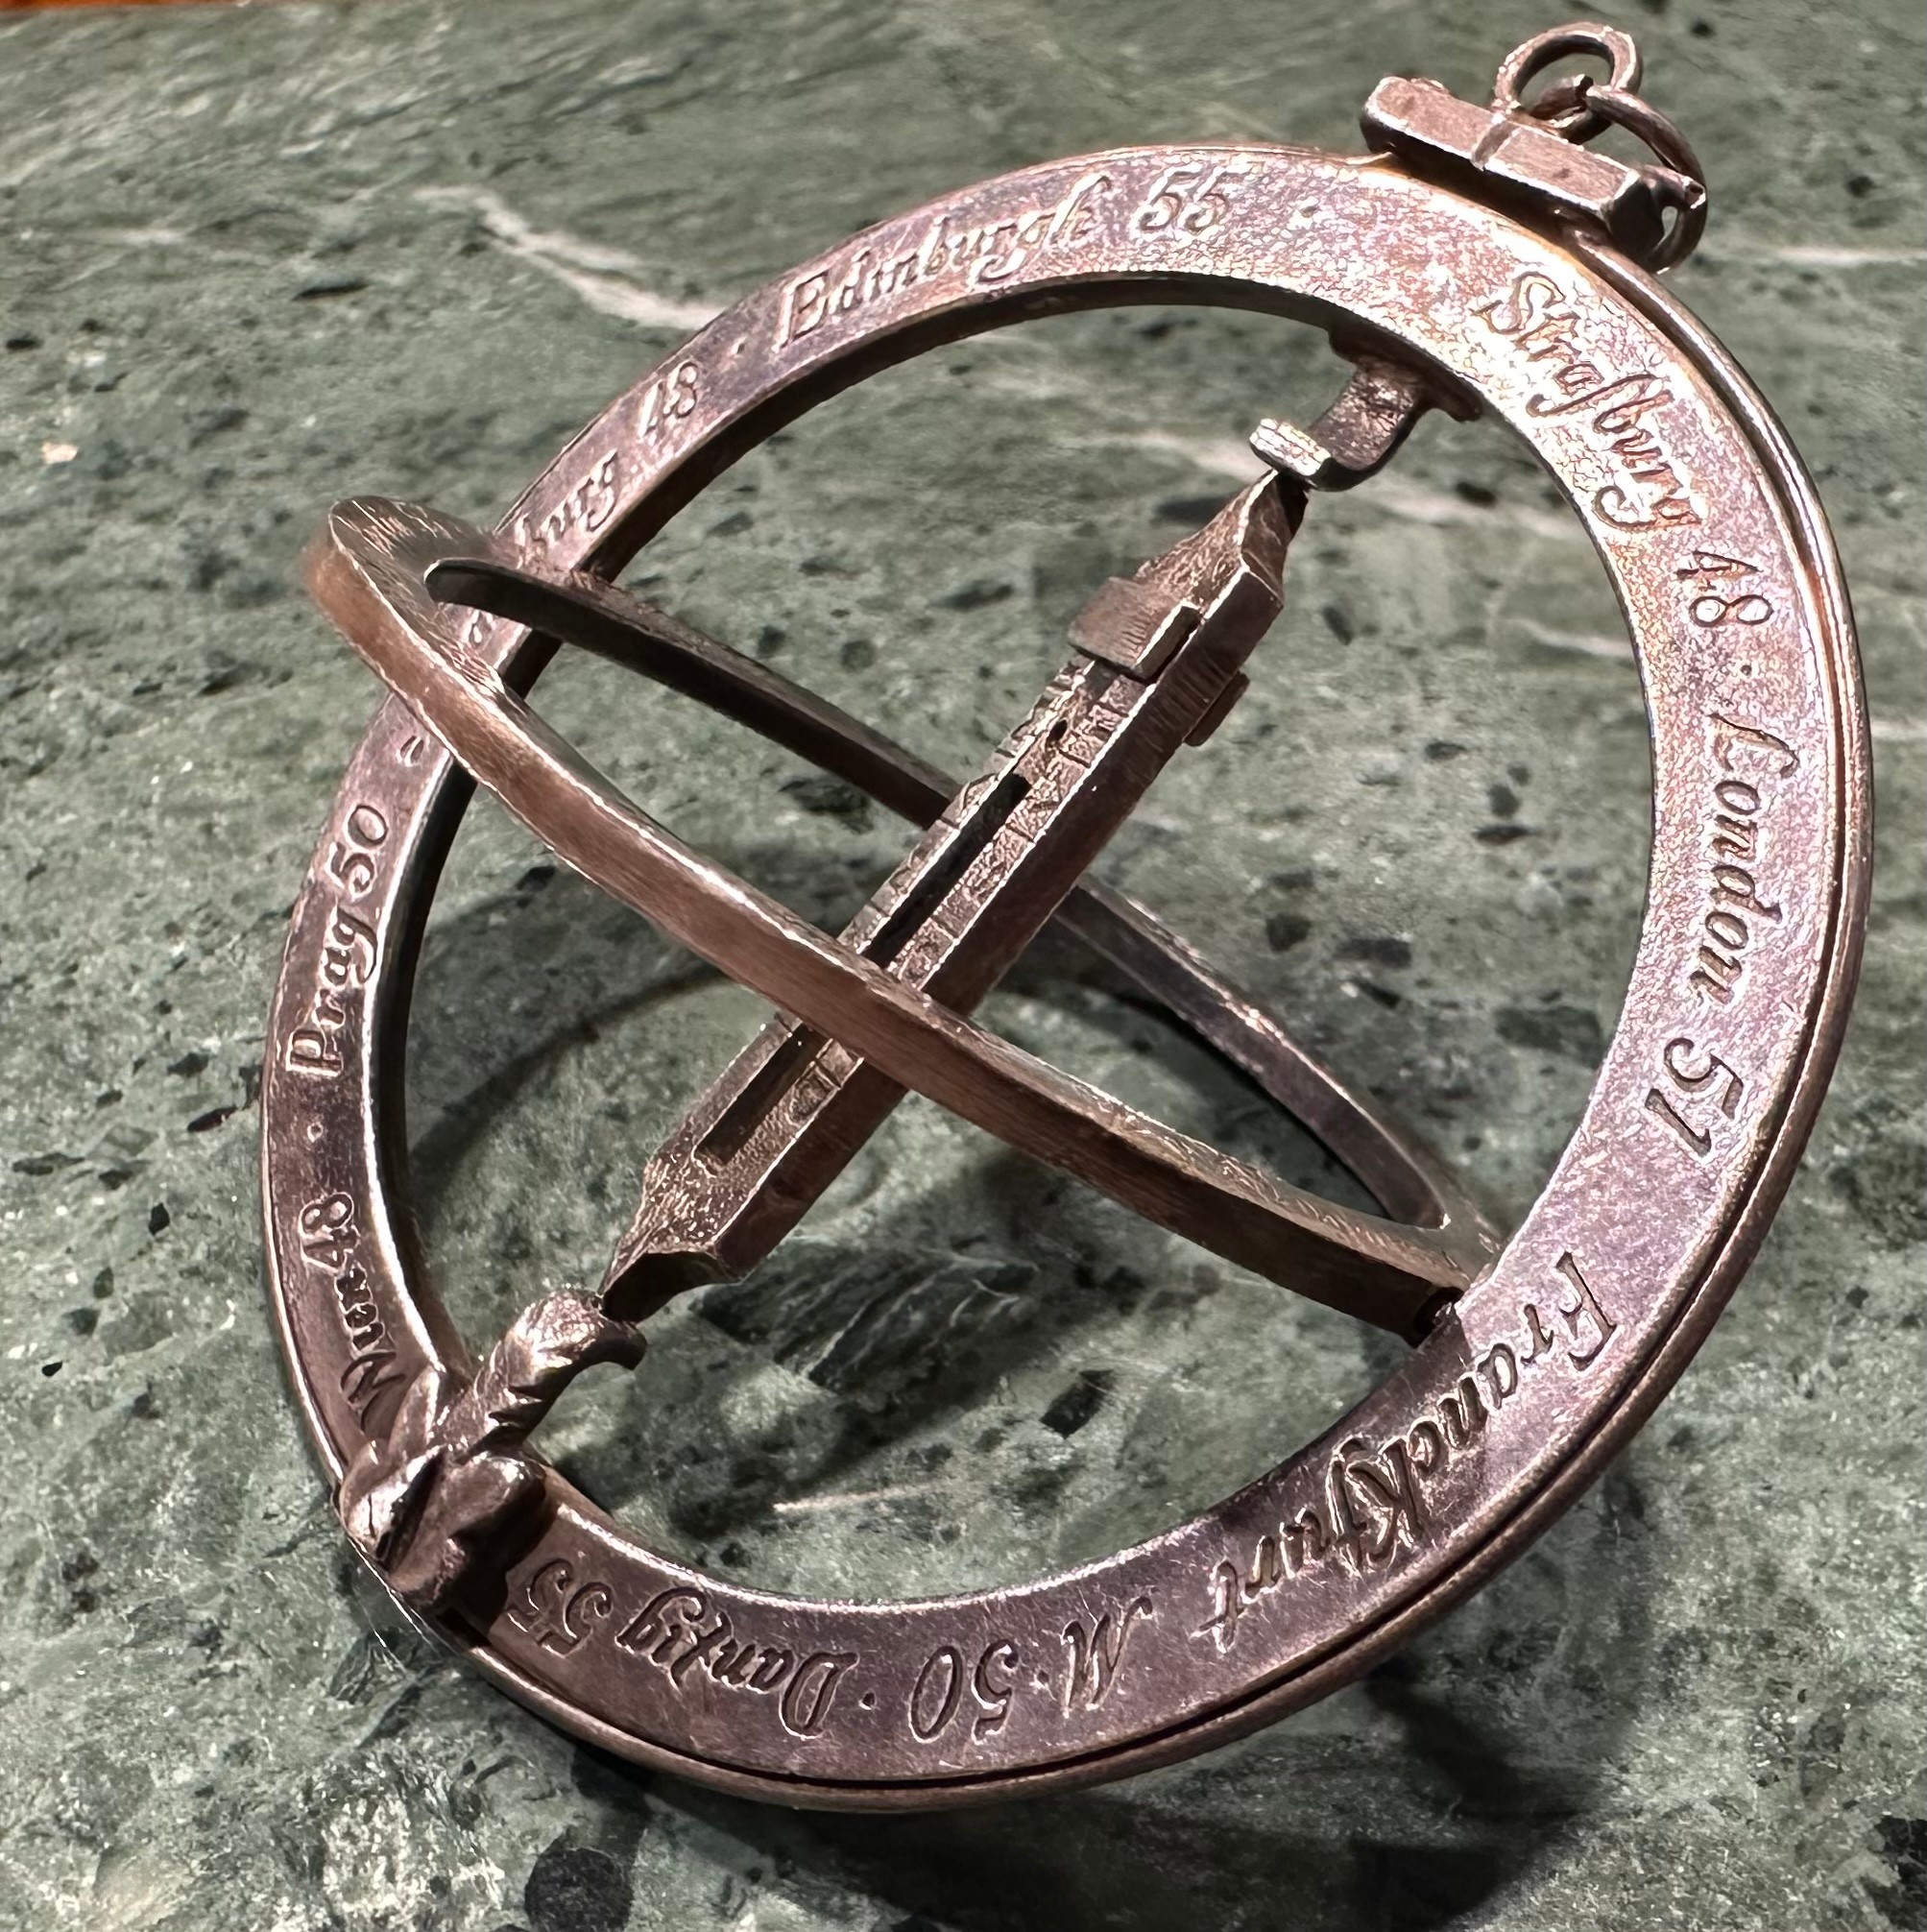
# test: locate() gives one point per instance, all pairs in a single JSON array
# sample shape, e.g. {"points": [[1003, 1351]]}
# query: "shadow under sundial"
{"points": [[1405, 1803]]}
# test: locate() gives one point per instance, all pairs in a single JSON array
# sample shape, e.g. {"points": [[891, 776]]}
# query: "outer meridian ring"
{"points": [[1301, 225]]}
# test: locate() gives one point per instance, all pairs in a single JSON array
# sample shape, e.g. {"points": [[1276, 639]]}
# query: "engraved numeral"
{"points": [[1190, 197], [1713, 611], [1708, 568], [350, 857], [1727, 1088], [668, 400], [938, 1695], [328, 1232]]}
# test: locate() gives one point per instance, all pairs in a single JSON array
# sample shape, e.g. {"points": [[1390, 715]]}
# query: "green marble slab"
{"points": [[254, 260]]}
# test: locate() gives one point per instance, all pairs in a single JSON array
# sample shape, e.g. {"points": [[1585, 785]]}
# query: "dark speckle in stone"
{"points": [[827, 797], [224, 677], [158, 1219], [575, 1888], [1885, 1186], [856, 654], [1189, 509], [330, 286], [1442, 749], [1379, 951], [1571, 1031], [1078, 1403], [1337, 622], [214, 1117], [40, 1165], [75, 1573], [1508, 833], [214, 421], [1038, 1489], [1284, 931], [1502, 800], [1475, 493], [974, 595], [1903, 1845], [84, 1321], [189, 1064]]}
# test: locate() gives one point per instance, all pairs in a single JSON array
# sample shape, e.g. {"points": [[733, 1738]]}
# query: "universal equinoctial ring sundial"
{"points": [[1478, 258]]}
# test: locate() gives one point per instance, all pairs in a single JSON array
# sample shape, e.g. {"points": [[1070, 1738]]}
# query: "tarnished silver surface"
{"points": [[1518, 1389]]}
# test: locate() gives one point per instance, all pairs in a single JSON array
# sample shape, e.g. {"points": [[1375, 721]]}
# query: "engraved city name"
{"points": [[586, 506], [681, 1632], [348, 952], [1542, 323], [1373, 1502], [1749, 760], [330, 1232], [979, 255]]}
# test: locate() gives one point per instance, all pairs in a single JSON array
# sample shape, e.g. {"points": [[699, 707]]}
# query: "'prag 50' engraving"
{"points": [[350, 947]]}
